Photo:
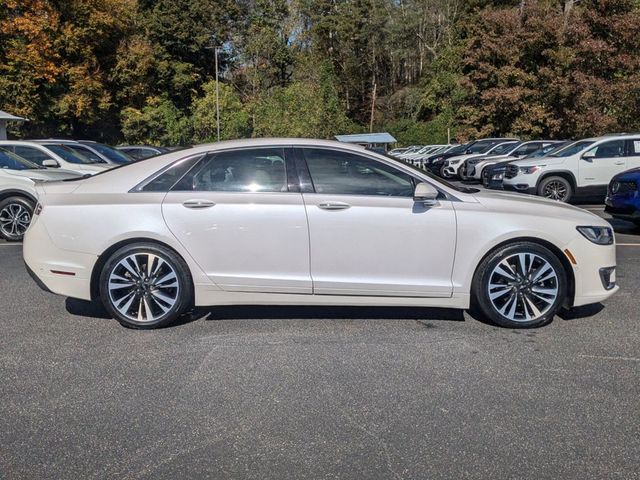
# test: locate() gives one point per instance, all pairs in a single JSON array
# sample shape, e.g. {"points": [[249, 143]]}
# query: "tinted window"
{"points": [[345, 173], [611, 149], [31, 153], [247, 170], [12, 161], [168, 178], [111, 153], [527, 149], [502, 149], [86, 152], [634, 147], [68, 154]]}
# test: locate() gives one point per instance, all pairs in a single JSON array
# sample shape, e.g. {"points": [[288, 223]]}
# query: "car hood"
{"points": [[633, 174], [539, 161], [91, 167], [45, 174], [465, 157], [540, 207]]}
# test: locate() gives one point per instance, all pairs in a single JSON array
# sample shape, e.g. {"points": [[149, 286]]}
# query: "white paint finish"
{"points": [[245, 241], [381, 246], [379, 251]]}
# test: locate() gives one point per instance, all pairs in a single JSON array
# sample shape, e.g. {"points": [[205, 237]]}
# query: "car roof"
{"points": [[276, 142], [54, 140], [26, 143]]}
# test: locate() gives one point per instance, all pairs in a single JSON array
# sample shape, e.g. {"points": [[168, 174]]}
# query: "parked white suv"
{"points": [[18, 178], [451, 168], [583, 167], [54, 155]]}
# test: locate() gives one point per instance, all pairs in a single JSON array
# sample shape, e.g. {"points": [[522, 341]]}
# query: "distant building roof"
{"points": [[8, 116], [383, 137]]}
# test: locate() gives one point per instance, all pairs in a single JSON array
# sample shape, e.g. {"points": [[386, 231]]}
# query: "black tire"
{"points": [[521, 293], [150, 295], [556, 188], [15, 216]]}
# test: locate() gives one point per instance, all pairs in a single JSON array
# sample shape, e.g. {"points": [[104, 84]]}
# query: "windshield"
{"points": [[572, 149], [69, 155], [87, 153], [112, 154], [482, 147], [504, 148], [544, 151], [11, 161], [458, 149]]}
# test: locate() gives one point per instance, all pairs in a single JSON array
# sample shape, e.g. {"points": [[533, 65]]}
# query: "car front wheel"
{"points": [[15, 217], [556, 188], [145, 286], [521, 285]]}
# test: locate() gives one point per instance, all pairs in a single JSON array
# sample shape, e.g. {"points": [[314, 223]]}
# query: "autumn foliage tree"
{"points": [[143, 70]]}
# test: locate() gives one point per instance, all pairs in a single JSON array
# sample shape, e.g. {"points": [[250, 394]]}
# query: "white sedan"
{"points": [[309, 222]]}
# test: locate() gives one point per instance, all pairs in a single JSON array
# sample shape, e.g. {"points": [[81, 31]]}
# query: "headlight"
{"points": [[529, 170], [497, 176], [454, 162], [597, 235]]}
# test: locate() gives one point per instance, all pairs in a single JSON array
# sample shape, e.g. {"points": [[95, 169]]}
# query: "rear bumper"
{"points": [[55, 270]]}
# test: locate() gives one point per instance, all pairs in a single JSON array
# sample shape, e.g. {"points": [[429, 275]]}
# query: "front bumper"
{"points": [[624, 207], [594, 271], [519, 187]]}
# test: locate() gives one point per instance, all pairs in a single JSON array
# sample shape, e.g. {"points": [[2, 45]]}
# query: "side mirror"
{"points": [[50, 163], [589, 155], [425, 193]]}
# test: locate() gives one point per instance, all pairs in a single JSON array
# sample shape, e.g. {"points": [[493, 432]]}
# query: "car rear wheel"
{"points": [[556, 188], [15, 217], [522, 285], [145, 286]]}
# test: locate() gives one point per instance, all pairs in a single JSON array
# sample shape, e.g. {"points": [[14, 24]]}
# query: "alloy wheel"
{"points": [[143, 287], [14, 220], [523, 287], [556, 190]]}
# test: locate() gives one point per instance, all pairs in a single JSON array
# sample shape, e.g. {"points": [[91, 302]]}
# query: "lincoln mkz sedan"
{"points": [[309, 222]]}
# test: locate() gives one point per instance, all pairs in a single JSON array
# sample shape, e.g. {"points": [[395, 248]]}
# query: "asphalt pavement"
{"points": [[310, 393]]}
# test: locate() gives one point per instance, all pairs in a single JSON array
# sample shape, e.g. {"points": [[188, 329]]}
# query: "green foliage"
{"points": [[159, 122], [234, 118], [306, 108]]}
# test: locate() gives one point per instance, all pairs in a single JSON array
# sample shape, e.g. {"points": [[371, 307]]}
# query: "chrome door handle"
{"points": [[196, 204], [620, 163], [333, 206]]}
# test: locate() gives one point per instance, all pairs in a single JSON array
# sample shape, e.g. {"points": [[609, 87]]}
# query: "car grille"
{"points": [[620, 187], [511, 171]]}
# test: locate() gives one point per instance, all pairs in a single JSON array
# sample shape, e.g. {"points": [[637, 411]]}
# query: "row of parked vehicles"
{"points": [[561, 170], [25, 163]]}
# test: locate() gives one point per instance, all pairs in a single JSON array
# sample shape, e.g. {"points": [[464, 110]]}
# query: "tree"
{"points": [[159, 122], [234, 118]]}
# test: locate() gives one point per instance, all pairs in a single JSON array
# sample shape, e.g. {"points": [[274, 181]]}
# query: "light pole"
{"points": [[217, 95], [215, 52]]}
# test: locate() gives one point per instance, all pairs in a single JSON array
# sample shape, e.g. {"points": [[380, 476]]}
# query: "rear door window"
{"points": [[250, 170]]}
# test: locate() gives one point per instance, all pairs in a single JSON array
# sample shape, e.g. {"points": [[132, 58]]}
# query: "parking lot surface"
{"points": [[257, 392]]}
